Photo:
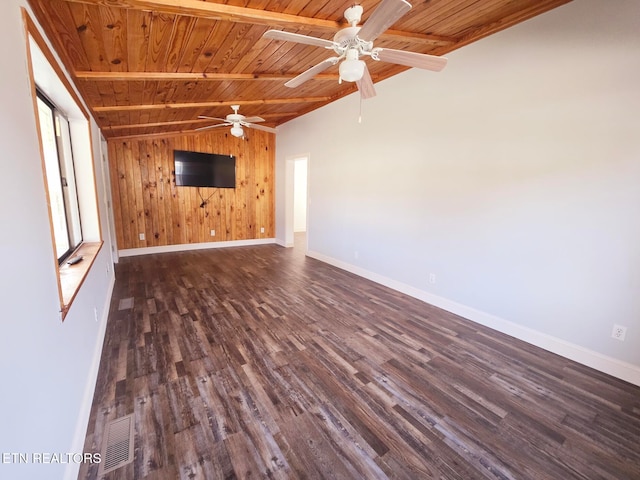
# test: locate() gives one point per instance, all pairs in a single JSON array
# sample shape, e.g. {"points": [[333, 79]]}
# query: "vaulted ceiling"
{"points": [[152, 67]]}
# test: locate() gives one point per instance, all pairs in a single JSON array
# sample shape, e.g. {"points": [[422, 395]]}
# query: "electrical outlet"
{"points": [[619, 332], [95, 313], [261, 229], [141, 236], [432, 278], [213, 233]]}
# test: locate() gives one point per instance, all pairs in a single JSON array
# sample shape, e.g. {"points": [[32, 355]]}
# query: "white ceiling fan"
{"points": [[236, 121], [353, 42]]}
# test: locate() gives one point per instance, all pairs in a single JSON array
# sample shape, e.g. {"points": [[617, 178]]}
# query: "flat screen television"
{"points": [[196, 169]]}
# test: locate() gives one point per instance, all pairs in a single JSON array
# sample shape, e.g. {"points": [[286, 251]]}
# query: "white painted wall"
{"points": [[47, 368], [516, 183], [513, 176]]}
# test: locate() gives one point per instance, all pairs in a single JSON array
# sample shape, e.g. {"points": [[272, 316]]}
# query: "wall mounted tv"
{"points": [[195, 169]]}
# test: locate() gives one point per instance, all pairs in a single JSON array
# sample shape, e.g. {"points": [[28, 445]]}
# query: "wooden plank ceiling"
{"points": [[151, 67]]}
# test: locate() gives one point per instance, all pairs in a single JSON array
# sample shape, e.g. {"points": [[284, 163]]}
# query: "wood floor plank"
{"points": [[258, 362]]}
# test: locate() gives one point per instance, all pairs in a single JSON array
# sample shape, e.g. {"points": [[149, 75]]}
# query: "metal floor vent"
{"points": [[125, 303], [117, 444]]}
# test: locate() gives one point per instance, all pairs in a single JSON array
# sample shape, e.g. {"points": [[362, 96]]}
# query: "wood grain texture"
{"points": [[136, 62], [257, 362], [146, 199]]}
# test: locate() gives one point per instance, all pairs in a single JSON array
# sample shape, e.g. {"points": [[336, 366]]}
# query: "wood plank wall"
{"points": [[146, 199]]}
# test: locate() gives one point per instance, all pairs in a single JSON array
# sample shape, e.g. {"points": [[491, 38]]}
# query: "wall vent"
{"points": [[117, 444]]}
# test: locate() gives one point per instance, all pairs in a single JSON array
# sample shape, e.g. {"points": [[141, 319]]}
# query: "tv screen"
{"points": [[195, 169]]}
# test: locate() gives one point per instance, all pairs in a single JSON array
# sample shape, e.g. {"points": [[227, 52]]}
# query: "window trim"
{"points": [[69, 277], [67, 180]]}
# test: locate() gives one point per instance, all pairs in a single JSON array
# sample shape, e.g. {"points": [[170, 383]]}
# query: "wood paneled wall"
{"points": [[146, 199]]}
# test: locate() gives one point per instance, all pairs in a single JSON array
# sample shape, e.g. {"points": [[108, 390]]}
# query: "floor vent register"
{"points": [[117, 444]]}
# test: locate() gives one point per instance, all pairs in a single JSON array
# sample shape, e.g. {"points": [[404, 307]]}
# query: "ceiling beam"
{"points": [[159, 135], [215, 11], [182, 122], [170, 106], [188, 76], [154, 124], [231, 13]]}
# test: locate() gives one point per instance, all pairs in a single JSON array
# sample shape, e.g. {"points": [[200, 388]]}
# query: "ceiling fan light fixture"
{"points": [[352, 69], [236, 130]]}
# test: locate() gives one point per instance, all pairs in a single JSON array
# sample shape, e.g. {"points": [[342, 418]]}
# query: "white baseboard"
{"points": [[130, 252], [73, 468], [282, 243], [611, 366]]}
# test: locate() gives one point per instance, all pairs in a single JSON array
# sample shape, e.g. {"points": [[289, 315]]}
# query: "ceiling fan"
{"points": [[353, 42], [236, 121]]}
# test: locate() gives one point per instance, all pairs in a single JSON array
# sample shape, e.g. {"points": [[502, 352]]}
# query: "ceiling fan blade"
{"points": [[261, 127], [304, 76], [409, 59], [254, 119], [296, 37], [365, 85], [214, 126], [387, 13]]}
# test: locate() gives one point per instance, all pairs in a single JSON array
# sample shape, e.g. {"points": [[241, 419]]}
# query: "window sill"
{"points": [[71, 277]]}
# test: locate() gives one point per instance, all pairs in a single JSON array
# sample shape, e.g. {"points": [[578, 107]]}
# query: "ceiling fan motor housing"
{"points": [[235, 117], [347, 38]]}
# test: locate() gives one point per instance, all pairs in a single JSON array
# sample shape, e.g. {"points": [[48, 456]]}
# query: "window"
{"points": [[66, 146], [61, 180]]}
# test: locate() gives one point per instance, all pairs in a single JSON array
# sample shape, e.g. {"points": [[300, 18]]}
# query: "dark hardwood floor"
{"points": [[257, 362]]}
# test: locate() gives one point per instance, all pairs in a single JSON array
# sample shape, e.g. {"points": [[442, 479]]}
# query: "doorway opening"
{"points": [[300, 175], [297, 202]]}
